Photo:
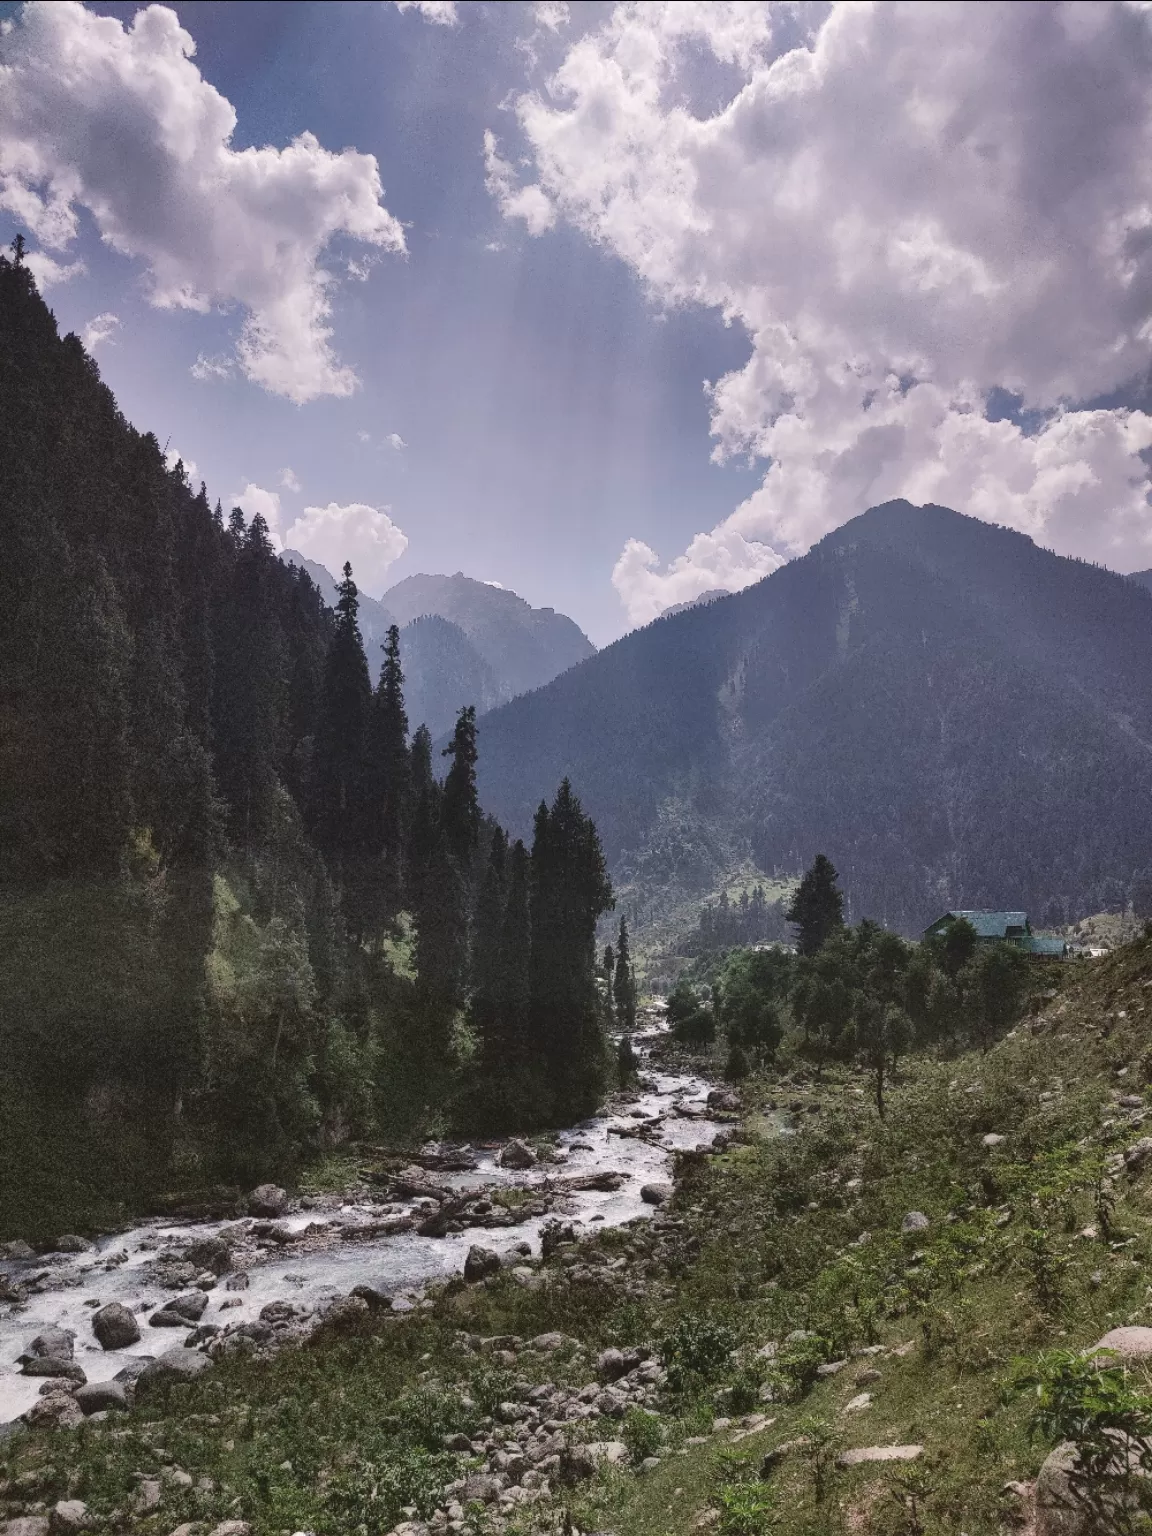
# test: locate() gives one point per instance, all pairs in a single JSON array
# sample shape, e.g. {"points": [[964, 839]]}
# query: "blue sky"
{"points": [[612, 304]]}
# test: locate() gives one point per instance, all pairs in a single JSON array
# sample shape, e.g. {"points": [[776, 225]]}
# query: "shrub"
{"points": [[642, 1433], [697, 1347]]}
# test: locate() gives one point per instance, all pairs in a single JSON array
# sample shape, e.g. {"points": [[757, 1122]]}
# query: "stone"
{"points": [[655, 1194], [53, 1343], [212, 1254], [48, 1365], [165, 1317], [993, 1139], [873, 1453], [1057, 1511], [101, 1396], [60, 1411], [133, 1368], [177, 1364], [69, 1515], [1131, 1101], [859, 1403], [70, 1242], [17, 1250], [375, 1300], [279, 1312], [517, 1154], [547, 1342], [115, 1326], [231, 1528], [268, 1200], [830, 1368], [480, 1263], [611, 1365], [726, 1100], [26, 1525], [1127, 1344], [482, 1487], [237, 1282], [915, 1221]]}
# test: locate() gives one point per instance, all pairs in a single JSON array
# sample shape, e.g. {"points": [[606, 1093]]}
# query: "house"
{"points": [[1002, 928]]}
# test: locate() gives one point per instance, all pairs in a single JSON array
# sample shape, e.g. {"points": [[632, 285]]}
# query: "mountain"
{"points": [[694, 602], [955, 716], [1144, 578], [494, 647]]}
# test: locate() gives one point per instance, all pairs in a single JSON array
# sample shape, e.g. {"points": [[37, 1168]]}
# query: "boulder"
{"points": [[268, 1200], [17, 1250], [655, 1194], [726, 1100], [190, 1306], [993, 1139], [166, 1317], [26, 1525], [1127, 1345], [48, 1365], [101, 1397], [177, 1364], [915, 1221], [231, 1528], [1138, 1156], [375, 1300], [115, 1326], [547, 1342], [133, 1368], [59, 1411], [1058, 1512], [279, 1312], [873, 1453], [70, 1242], [480, 1263], [611, 1365], [212, 1254], [517, 1154], [481, 1488], [53, 1343], [69, 1515]]}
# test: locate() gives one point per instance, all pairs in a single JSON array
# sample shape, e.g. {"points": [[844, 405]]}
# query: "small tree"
{"points": [[817, 908], [688, 1020], [957, 946], [624, 982]]}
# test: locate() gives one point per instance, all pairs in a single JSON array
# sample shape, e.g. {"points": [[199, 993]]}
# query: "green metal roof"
{"points": [[1041, 944], [988, 925]]}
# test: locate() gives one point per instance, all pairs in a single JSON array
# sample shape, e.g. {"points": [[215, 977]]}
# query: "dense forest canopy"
{"points": [[242, 913]]}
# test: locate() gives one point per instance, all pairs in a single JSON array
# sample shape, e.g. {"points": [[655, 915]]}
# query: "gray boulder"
{"points": [[70, 1242], [115, 1326], [480, 1263], [59, 1411], [611, 1365], [517, 1154], [177, 1364], [26, 1525], [1126, 1346], [915, 1221], [48, 1365], [17, 1250], [69, 1515], [268, 1200], [53, 1343], [133, 1368], [101, 1397], [180, 1311], [1058, 1510], [655, 1194], [210, 1253]]}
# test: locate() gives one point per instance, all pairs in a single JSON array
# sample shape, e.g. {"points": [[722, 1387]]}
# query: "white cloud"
{"points": [[100, 328], [208, 368], [174, 457], [44, 268], [364, 437], [552, 14], [722, 558], [255, 499], [442, 12], [365, 536], [120, 122], [904, 211], [396, 441], [527, 203], [289, 480]]}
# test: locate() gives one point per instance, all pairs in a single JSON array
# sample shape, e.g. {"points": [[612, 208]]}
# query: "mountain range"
{"points": [[461, 641], [955, 716]]}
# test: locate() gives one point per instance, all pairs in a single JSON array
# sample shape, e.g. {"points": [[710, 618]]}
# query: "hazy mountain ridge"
{"points": [[501, 647], [953, 714]]}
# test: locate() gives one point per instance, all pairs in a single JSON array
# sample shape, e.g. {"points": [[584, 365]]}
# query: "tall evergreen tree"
{"points": [[487, 1003], [624, 982], [460, 812], [340, 809], [390, 773], [817, 907]]}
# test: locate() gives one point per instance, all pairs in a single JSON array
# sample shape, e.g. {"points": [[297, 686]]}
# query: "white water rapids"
{"points": [[67, 1288]]}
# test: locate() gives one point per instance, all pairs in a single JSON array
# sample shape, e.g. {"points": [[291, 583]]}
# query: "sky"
{"points": [[612, 304]]}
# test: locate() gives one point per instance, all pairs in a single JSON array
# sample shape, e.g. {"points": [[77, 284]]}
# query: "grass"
{"points": [[781, 1236]]}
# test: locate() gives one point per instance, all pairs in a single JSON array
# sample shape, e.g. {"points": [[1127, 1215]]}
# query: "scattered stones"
{"points": [[915, 1221], [517, 1154], [480, 1263], [268, 1200], [655, 1194], [874, 1453], [101, 1397], [115, 1326]]}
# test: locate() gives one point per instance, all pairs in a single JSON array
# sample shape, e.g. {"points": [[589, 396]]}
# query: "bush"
{"points": [[697, 1348], [642, 1433]]}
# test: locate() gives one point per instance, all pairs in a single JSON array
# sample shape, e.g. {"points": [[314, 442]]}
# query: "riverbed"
{"points": [[66, 1289]]}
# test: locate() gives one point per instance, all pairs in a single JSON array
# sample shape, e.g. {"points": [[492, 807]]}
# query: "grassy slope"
{"points": [[334, 1437]]}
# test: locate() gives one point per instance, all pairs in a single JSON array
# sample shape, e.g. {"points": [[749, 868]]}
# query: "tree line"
{"points": [[244, 911]]}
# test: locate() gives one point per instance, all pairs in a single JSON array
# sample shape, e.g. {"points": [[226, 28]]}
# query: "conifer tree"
{"points": [[390, 773], [460, 809], [441, 954], [817, 907], [339, 788], [487, 1002], [624, 982]]}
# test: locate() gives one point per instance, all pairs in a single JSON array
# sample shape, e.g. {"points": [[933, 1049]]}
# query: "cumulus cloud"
{"points": [[552, 14], [365, 536], [289, 480], [100, 328], [44, 268], [515, 202], [174, 457], [396, 441], [119, 121], [208, 368], [904, 212], [255, 499], [722, 558], [442, 12]]}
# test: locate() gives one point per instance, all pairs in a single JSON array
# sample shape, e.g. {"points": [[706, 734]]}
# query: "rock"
{"points": [[268, 1200], [231, 1528], [165, 1317], [180, 1311], [832, 1368], [376, 1301], [60, 1411], [133, 1368], [115, 1326], [993, 1139], [859, 1403], [726, 1100], [480, 1263], [71, 1243], [210, 1253], [26, 1525], [610, 1365], [1127, 1344], [69, 1515], [1131, 1101], [48, 1365], [517, 1154], [871, 1453], [483, 1487], [177, 1364], [1138, 1156], [101, 1396], [344, 1309], [17, 1250], [279, 1312], [53, 1344], [915, 1221], [1057, 1510], [547, 1342], [655, 1194]]}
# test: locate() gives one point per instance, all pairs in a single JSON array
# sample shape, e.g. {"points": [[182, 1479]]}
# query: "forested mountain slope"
{"points": [[954, 715]]}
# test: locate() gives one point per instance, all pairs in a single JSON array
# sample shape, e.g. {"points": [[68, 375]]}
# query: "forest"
{"points": [[243, 915]]}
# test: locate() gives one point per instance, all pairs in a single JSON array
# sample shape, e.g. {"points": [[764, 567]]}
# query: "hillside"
{"points": [[443, 671], [957, 717]]}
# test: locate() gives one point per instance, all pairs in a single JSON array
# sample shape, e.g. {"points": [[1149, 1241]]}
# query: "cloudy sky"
{"points": [[611, 303]]}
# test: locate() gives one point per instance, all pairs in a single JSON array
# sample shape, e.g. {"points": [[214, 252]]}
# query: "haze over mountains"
{"points": [[954, 715], [462, 641]]}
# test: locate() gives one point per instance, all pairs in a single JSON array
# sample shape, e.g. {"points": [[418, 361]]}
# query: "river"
{"points": [[67, 1288]]}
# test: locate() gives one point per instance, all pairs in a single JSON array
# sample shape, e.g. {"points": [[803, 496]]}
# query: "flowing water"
{"points": [[399, 1265]]}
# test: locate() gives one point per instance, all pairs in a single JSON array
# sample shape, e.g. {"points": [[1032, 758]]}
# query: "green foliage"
{"points": [[696, 1350], [817, 908], [690, 1021], [642, 1432]]}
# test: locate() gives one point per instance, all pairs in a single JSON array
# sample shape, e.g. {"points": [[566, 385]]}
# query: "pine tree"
{"points": [[487, 1003], [624, 982], [390, 773], [441, 955], [340, 811], [460, 809], [817, 907]]}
